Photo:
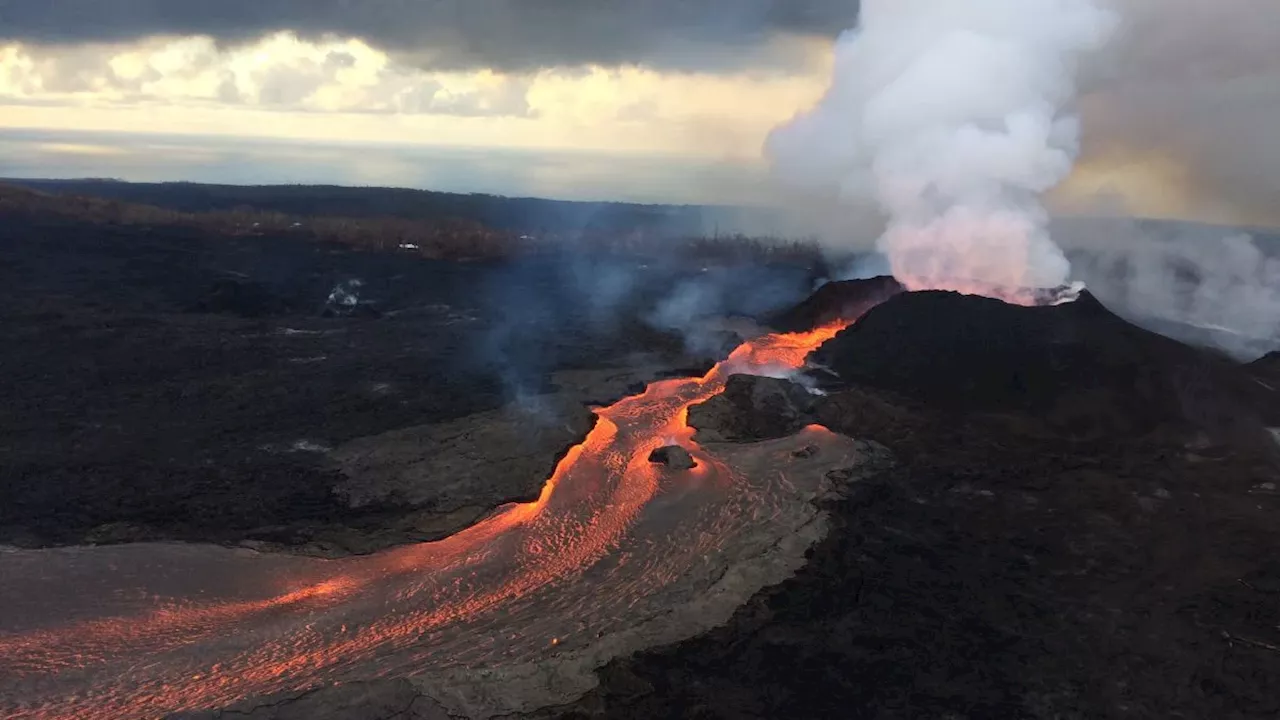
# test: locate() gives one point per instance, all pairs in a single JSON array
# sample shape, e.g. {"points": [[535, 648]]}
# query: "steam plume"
{"points": [[953, 117]]}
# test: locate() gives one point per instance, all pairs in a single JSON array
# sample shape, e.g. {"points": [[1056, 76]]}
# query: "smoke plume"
{"points": [[1201, 284], [954, 117]]}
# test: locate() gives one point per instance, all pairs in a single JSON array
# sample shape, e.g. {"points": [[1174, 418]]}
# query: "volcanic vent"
{"points": [[1066, 369], [1072, 369]]}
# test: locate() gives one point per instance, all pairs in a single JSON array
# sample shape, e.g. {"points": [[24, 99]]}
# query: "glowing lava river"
{"points": [[510, 615]]}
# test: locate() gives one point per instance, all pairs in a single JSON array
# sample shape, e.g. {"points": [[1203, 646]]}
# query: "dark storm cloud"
{"points": [[506, 34]]}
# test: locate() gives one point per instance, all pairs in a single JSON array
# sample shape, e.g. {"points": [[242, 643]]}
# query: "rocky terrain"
{"points": [[1080, 526], [270, 391], [1267, 366], [1080, 522]]}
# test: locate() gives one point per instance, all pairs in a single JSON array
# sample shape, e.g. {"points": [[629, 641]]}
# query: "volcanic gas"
{"points": [[953, 119]]}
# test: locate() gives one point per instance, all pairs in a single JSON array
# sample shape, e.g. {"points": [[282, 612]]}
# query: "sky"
{"points": [[662, 101]]}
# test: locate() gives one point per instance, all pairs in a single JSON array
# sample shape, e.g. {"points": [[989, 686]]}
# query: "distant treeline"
{"points": [[350, 216], [531, 216]]}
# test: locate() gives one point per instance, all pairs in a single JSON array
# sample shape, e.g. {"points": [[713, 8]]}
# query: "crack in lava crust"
{"points": [[144, 630]]}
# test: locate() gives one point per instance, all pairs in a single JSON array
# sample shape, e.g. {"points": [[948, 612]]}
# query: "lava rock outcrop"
{"points": [[842, 300], [753, 408], [674, 457]]}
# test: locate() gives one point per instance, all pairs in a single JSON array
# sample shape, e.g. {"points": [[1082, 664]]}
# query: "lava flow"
{"points": [[139, 631]]}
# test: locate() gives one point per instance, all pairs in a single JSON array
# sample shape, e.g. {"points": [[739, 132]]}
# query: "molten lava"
{"points": [[141, 631]]}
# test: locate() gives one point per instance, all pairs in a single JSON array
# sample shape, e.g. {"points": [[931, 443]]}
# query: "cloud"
{"points": [[346, 90], [462, 34], [1180, 112], [1178, 117], [280, 72], [1177, 114]]}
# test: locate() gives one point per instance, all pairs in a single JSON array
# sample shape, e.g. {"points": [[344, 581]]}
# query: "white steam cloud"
{"points": [[1202, 284], [954, 116]]}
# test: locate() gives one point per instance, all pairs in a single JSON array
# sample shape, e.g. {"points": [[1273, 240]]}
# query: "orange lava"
{"points": [[315, 622]]}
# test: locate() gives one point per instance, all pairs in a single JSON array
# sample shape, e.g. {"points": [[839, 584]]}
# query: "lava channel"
{"points": [[140, 631]]}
